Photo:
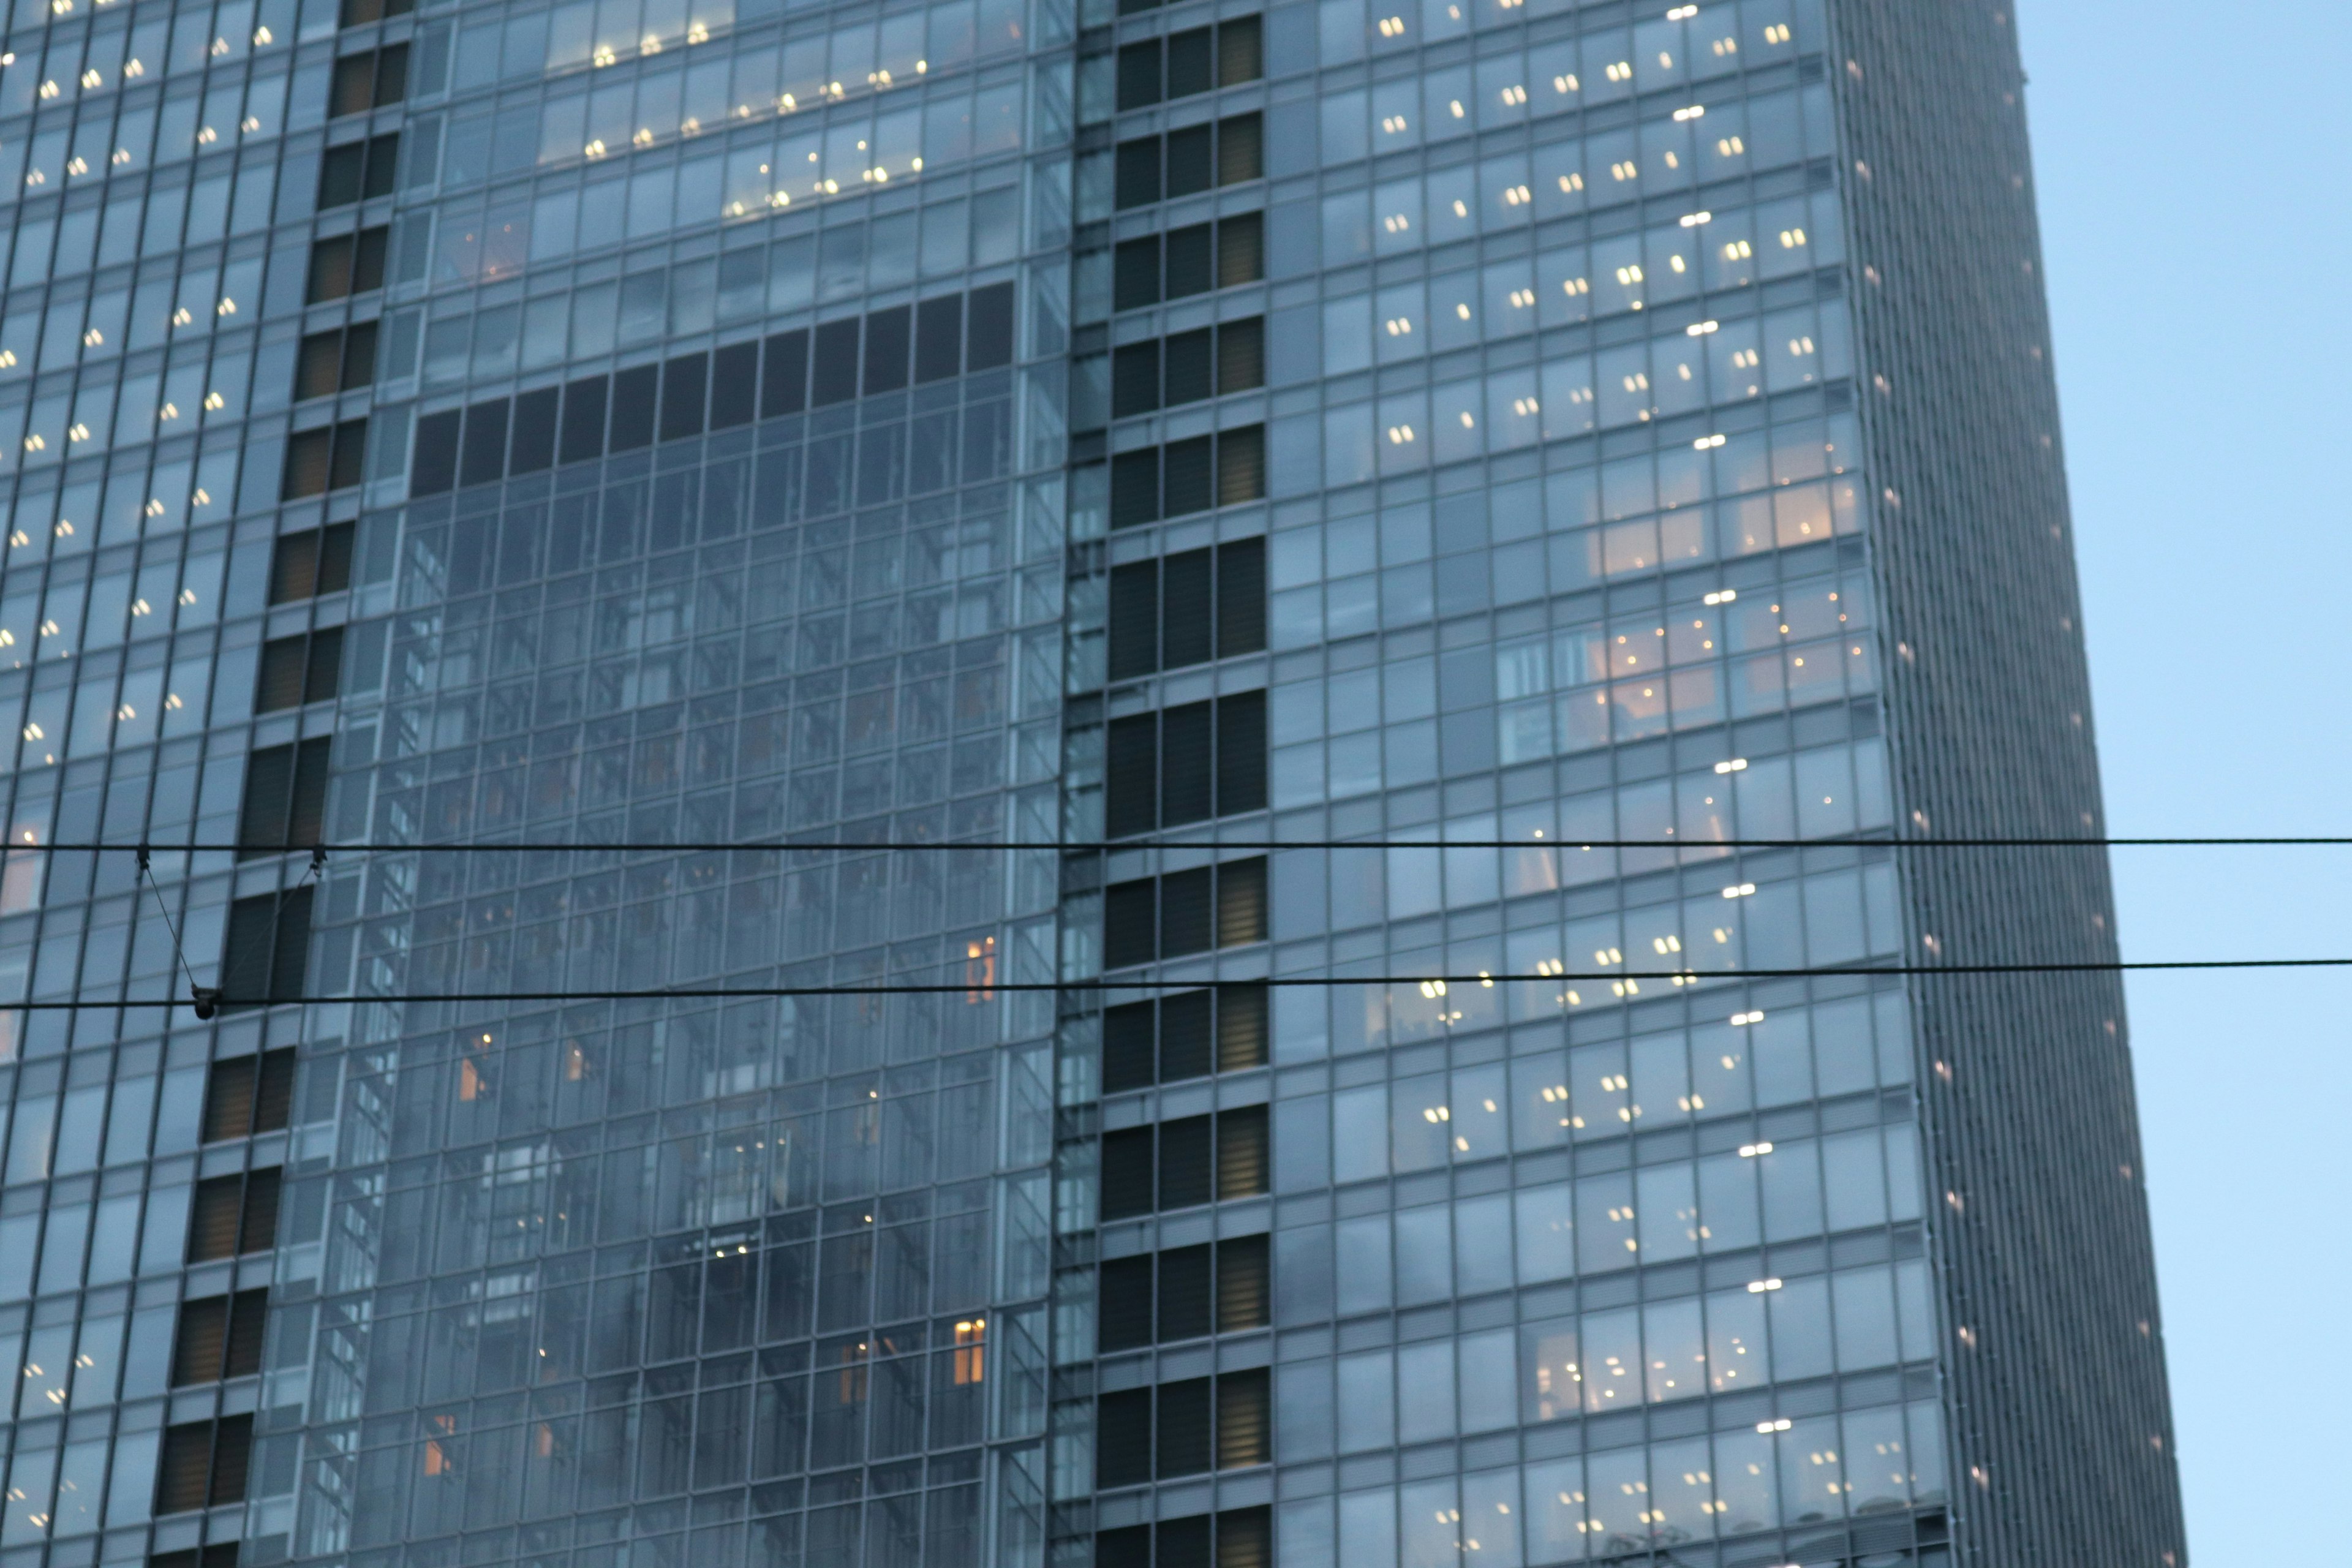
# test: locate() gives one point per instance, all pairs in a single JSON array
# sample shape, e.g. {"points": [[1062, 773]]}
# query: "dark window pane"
{"points": [[1186, 1170], [734, 386], [1126, 1049], [322, 671], [1240, 901], [1188, 485], [249, 1320], [1183, 1543], [1186, 608], [1241, 598], [256, 1220], [382, 165], [1241, 1152], [290, 959], [1183, 1427], [273, 1097], [1134, 635], [335, 556], [783, 374], [268, 795], [837, 362], [1123, 1303], [391, 74], [634, 393], [342, 173], [1185, 912], [1189, 378], [685, 381], [367, 263], [232, 1455], [1123, 1438], [306, 820], [348, 465], [886, 335], [585, 404], [1184, 1295], [1135, 378], [482, 456], [1191, 163], [1188, 63], [1135, 273], [1127, 1179], [1183, 1035], [1131, 776], [530, 447], [1240, 754], [939, 337], [1189, 252], [1127, 1547], [987, 333], [1127, 924], [1136, 182], [1185, 770], [359, 356], [245, 954], [1134, 487], [1139, 75]]}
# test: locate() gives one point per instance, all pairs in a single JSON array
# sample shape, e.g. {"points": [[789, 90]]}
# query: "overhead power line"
{"points": [[1114, 982], [1106, 846]]}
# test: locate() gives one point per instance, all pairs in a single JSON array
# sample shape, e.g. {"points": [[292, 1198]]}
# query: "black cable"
{"points": [[747, 993], [1091, 847], [206, 999]]}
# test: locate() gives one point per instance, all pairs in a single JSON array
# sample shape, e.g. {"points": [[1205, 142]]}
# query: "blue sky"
{"points": [[2195, 224]]}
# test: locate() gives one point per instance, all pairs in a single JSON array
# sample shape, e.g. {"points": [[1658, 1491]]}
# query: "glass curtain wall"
{"points": [[1500, 357], [584, 424]]}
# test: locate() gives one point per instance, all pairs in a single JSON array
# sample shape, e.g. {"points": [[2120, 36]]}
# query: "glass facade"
{"points": [[1182, 537]]}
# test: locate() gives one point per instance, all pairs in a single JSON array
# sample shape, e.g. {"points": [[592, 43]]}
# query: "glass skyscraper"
{"points": [[1240, 566]]}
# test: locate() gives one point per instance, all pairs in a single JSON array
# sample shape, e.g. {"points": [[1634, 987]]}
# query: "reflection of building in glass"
{"points": [[1428, 488]]}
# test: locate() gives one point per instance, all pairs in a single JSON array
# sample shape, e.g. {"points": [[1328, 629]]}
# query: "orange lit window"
{"points": [[438, 1461], [971, 1354], [980, 970], [472, 1084]]}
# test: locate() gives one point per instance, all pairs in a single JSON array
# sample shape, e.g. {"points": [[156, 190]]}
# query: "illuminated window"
{"points": [[970, 1354]]}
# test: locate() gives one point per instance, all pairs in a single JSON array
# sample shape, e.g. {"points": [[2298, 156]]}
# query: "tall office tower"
{"points": [[1318, 475]]}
